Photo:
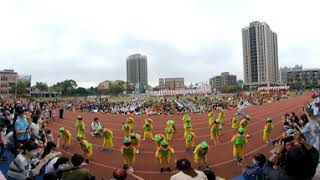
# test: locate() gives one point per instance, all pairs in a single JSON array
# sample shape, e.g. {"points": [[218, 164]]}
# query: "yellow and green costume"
{"points": [[86, 146], [147, 130], [239, 142], [201, 153], [164, 155], [80, 127], [190, 139], [107, 138], [235, 122], [267, 130], [66, 135], [126, 128]]}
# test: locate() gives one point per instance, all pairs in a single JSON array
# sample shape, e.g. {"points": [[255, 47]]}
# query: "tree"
{"points": [[13, 88], [116, 89], [21, 87], [41, 86], [92, 90], [80, 91], [56, 88], [67, 87]]}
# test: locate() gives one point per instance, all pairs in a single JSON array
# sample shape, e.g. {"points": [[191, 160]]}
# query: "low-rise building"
{"points": [[171, 83], [284, 73], [8, 80], [308, 77], [225, 79]]}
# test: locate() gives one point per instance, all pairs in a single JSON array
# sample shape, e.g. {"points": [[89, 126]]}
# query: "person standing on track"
{"points": [[241, 108], [267, 131], [107, 139], [214, 133], [221, 115], [86, 146], [128, 152], [130, 121], [169, 130], [239, 141], [80, 126], [136, 141], [201, 155], [235, 121], [147, 130], [211, 118], [187, 125], [158, 138], [219, 125], [189, 137], [244, 123], [66, 137], [170, 122], [126, 128], [164, 154]]}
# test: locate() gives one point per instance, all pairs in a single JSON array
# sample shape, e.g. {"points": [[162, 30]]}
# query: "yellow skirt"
{"points": [[200, 159], [266, 136], [107, 143], [190, 144], [90, 152], [148, 134], [234, 126], [129, 159], [238, 151], [126, 133], [169, 137], [67, 140], [214, 135], [165, 159], [80, 132]]}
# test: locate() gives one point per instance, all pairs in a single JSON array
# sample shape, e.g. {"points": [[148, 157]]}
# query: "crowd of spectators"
{"points": [[296, 154], [24, 133]]}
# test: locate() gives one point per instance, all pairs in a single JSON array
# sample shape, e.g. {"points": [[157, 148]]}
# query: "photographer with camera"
{"points": [[311, 130], [299, 161]]}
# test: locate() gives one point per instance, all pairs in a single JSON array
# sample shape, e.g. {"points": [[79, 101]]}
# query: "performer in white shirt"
{"points": [[95, 126], [243, 104]]}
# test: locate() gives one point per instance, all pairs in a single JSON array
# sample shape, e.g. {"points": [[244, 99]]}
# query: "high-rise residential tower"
{"points": [[137, 72], [260, 55]]}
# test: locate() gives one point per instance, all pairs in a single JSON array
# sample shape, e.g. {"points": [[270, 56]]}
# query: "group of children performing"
{"points": [[164, 152]]}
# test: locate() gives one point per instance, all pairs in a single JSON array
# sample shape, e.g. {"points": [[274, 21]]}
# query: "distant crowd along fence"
{"points": [[273, 88], [179, 92]]}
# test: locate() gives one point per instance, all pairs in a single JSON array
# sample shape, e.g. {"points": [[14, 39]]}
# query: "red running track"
{"points": [[220, 157]]}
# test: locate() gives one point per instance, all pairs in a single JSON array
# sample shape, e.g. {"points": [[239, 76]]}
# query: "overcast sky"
{"points": [[89, 40]]}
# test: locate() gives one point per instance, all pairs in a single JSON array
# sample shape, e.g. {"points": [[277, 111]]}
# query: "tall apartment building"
{"points": [[260, 55], [171, 83], [137, 72], [284, 73], [8, 79], [225, 79]]}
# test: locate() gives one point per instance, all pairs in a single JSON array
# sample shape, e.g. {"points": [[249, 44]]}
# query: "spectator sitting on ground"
{"points": [[187, 172], [76, 171], [95, 126], [255, 170]]}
